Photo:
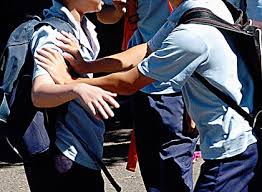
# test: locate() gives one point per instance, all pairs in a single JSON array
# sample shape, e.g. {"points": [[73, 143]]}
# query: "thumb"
{"points": [[70, 58]]}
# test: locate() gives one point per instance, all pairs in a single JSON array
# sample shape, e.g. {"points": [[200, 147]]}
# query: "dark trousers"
{"points": [[71, 176], [164, 150], [39, 171], [231, 174], [55, 172]]}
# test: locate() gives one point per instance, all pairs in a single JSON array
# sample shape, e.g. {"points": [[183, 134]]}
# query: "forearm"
{"points": [[51, 95], [109, 15], [122, 83], [118, 62], [115, 82]]}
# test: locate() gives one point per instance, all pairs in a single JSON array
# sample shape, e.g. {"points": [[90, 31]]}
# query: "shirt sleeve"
{"points": [[43, 37], [179, 56], [157, 40]]}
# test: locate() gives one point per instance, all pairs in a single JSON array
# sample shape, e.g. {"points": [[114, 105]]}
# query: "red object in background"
{"points": [[132, 155], [130, 26]]}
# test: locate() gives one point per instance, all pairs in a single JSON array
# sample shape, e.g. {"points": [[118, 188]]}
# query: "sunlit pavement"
{"points": [[12, 177]]}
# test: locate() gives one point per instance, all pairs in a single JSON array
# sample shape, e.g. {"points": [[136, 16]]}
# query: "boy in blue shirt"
{"points": [[227, 143], [253, 8], [75, 169], [164, 146]]}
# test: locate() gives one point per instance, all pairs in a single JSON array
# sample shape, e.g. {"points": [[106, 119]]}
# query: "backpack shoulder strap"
{"points": [[225, 98], [204, 16], [56, 23]]}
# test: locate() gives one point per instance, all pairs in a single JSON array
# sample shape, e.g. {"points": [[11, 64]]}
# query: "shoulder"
{"points": [[44, 35], [185, 39], [44, 31]]}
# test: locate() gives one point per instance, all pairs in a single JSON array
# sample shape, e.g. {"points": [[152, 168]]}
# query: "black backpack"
{"points": [[247, 39]]}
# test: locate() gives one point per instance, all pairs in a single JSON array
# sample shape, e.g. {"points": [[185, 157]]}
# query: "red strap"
{"points": [[170, 6], [131, 19]]}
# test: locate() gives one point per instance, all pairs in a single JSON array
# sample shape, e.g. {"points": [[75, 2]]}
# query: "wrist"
{"points": [[76, 90]]}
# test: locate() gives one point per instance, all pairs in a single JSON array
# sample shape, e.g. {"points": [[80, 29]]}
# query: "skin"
{"points": [[124, 83], [46, 93], [112, 14]]}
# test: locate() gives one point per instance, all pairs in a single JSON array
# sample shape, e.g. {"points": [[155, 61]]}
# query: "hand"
{"points": [[69, 44], [53, 62], [97, 100], [191, 129], [120, 6]]}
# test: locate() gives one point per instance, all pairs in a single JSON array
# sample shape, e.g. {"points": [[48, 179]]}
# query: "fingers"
{"points": [[64, 37], [72, 61], [68, 38], [108, 110], [91, 108], [113, 103], [46, 53], [49, 53], [70, 58], [49, 56], [124, 9], [120, 5], [45, 66], [100, 107]]}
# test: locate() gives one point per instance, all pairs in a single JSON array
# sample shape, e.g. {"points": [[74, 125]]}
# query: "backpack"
{"points": [[20, 122], [27, 129], [247, 39]]}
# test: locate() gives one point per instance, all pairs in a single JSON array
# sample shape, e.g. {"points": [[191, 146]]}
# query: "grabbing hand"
{"points": [[120, 6], [97, 100], [53, 62], [69, 44]]}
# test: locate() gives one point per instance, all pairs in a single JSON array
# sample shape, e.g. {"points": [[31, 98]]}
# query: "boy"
{"points": [[78, 123], [227, 141], [163, 145]]}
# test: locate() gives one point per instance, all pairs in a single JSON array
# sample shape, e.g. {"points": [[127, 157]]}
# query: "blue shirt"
{"points": [[253, 9], [191, 47], [76, 120], [152, 15]]}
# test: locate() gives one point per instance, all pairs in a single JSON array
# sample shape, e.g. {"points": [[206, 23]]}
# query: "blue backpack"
{"points": [[21, 124], [27, 129]]}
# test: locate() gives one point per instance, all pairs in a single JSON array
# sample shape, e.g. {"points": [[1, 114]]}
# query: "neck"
{"points": [[72, 8], [78, 17]]}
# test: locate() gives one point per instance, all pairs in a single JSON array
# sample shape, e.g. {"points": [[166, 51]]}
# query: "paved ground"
{"points": [[12, 178]]}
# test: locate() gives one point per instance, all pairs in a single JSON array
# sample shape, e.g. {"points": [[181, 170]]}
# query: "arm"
{"points": [[123, 83], [45, 93], [117, 62], [112, 14]]}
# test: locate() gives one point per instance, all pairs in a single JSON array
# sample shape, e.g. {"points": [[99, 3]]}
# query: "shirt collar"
{"points": [[86, 34]]}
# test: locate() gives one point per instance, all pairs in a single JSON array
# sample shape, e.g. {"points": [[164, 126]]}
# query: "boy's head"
{"points": [[83, 6]]}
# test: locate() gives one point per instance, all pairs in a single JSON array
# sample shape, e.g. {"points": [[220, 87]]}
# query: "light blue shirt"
{"points": [[191, 47], [253, 9], [76, 120], [152, 15]]}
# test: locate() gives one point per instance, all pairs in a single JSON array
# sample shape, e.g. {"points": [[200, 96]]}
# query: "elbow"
{"points": [[126, 89], [131, 90], [35, 99]]}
